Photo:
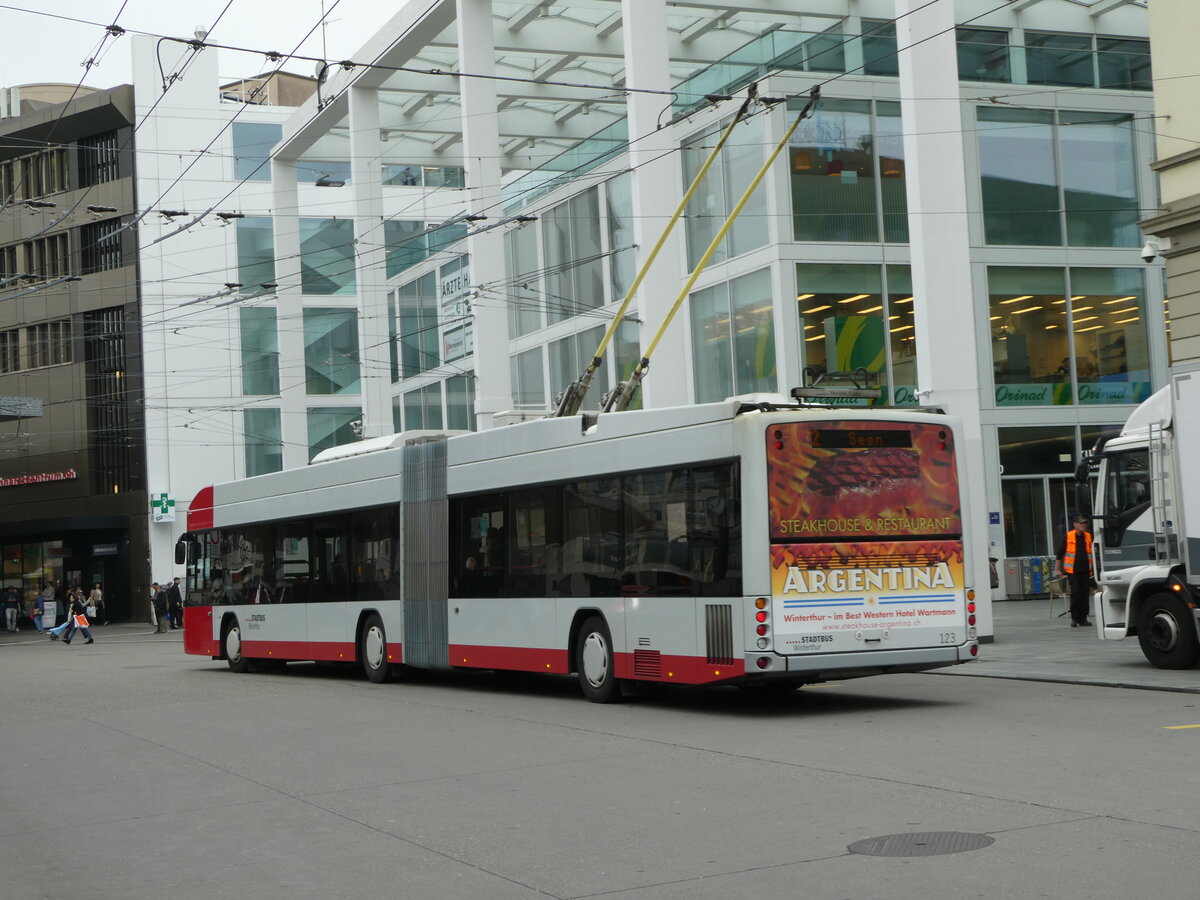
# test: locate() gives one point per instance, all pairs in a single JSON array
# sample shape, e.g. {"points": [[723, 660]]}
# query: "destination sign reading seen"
{"points": [[824, 438]]}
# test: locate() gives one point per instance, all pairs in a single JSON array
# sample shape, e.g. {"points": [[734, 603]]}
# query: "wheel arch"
{"points": [[1142, 590], [360, 626], [228, 619], [581, 616]]}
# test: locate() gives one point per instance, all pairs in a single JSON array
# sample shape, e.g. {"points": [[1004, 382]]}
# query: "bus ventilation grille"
{"points": [[718, 627], [647, 663]]}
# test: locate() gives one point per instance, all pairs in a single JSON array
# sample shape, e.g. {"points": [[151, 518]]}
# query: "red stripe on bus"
{"points": [[323, 651], [200, 512], [680, 669], [515, 659]]}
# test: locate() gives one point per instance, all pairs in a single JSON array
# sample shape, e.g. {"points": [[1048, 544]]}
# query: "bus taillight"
{"points": [[762, 629], [760, 616], [763, 662], [971, 607]]}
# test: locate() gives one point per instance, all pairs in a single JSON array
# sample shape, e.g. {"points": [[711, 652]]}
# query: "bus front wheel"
{"points": [[231, 647], [594, 660], [1167, 633], [373, 651]]}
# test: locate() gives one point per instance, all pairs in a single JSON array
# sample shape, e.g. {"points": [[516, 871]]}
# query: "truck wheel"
{"points": [[1167, 633], [594, 659]]}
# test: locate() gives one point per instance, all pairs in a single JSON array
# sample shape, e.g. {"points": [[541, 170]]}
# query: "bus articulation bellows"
{"points": [[756, 542]]}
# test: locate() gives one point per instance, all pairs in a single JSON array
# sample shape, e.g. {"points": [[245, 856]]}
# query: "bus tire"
{"points": [[231, 647], [595, 662], [372, 651], [1167, 633]]}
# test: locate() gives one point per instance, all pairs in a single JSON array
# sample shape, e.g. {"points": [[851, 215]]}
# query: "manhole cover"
{"points": [[921, 843]]}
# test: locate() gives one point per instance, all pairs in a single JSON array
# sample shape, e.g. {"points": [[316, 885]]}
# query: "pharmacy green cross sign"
{"points": [[162, 508]]}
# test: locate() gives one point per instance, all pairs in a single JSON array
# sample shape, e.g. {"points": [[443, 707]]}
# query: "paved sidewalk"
{"points": [[120, 631], [1034, 644]]}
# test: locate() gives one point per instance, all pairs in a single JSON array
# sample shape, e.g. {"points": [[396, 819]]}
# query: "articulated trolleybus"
{"points": [[755, 542]]}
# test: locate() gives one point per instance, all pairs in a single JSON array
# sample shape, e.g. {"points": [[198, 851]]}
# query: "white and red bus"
{"points": [[755, 542]]}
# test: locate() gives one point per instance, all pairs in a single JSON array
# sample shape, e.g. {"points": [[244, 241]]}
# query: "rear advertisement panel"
{"points": [[841, 597], [866, 536]]}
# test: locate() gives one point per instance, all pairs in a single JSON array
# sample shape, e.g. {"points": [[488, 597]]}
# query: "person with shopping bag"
{"points": [[77, 620]]}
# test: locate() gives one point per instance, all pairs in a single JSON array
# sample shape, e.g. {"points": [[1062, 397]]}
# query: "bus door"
{"points": [[424, 524], [866, 536]]}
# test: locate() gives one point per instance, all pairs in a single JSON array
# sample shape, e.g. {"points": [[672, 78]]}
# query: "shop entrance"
{"points": [[1036, 513]]}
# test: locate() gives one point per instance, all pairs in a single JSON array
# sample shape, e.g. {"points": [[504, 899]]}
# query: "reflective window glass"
{"points": [[1020, 180], [252, 144], [1053, 58], [327, 256], [263, 439], [260, 351], [833, 174], [982, 54], [842, 319], [332, 426], [1030, 336], [902, 337], [255, 252], [331, 351], [1099, 179], [1108, 321]]}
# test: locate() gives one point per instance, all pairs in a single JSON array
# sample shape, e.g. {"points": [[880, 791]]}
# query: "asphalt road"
{"points": [[128, 770]]}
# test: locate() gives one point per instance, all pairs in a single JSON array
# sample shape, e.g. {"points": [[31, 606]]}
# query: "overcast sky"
{"points": [[36, 48]]}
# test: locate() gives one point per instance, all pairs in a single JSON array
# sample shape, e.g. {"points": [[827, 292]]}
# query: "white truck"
{"points": [[1147, 526]]}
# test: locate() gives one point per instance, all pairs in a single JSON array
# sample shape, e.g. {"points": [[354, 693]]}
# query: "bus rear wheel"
{"points": [[231, 647], [595, 663], [1167, 633], [372, 650]]}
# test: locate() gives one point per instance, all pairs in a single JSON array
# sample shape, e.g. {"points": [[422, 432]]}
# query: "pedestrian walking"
{"points": [[12, 609], [1074, 559], [77, 619], [39, 610], [99, 612], [175, 604], [160, 610]]}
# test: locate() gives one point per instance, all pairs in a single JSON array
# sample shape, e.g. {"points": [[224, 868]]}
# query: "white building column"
{"points": [[289, 314], [945, 308], [657, 191], [481, 156], [373, 338]]}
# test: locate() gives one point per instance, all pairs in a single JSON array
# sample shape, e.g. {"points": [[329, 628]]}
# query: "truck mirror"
{"points": [[1083, 498]]}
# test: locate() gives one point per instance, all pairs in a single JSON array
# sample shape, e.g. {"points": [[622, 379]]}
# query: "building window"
{"points": [[846, 166], [525, 300], [733, 338], [327, 256], [851, 318], [414, 175], [260, 351], [406, 245], [574, 266], [328, 171], [423, 407], [460, 402], [1123, 64], [983, 54], [570, 356], [528, 380], [1053, 58], [100, 246], [48, 257], [10, 351], [1056, 343], [263, 438], [332, 426], [48, 343], [720, 191], [252, 145], [879, 48], [331, 351], [255, 251], [99, 159], [627, 353], [416, 326], [1025, 202], [8, 265], [618, 197]]}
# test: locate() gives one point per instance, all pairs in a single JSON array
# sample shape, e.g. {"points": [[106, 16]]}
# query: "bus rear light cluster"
{"points": [[974, 649], [762, 629], [763, 662]]}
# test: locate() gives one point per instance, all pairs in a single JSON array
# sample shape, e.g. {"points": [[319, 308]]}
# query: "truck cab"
{"points": [[1145, 492]]}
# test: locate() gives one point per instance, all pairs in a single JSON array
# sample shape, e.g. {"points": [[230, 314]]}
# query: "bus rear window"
{"points": [[890, 480]]}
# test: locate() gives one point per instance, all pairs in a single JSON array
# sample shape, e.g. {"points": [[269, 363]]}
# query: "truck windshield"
{"points": [[1126, 491]]}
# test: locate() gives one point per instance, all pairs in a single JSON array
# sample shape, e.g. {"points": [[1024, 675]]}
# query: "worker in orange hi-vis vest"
{"points": [[1075, 561]]}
